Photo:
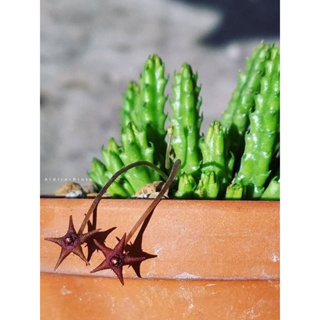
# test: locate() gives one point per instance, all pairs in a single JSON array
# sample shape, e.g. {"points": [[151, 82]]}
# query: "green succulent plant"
{"points": [[237, 158]]}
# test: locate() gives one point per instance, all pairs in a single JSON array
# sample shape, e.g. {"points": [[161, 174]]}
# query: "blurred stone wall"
{"points": [[90, 50]]}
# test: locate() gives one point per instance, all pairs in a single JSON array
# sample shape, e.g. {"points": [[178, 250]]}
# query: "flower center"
{"points": [[116, 260], [70, 240]]}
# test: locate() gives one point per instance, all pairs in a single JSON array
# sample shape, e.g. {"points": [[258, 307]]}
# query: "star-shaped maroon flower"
{"points": [[99, 236], [71, 242], [135, 249], [115, 258]]}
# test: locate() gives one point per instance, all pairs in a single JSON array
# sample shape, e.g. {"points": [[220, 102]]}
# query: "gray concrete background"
{"points": [[90, 50]]}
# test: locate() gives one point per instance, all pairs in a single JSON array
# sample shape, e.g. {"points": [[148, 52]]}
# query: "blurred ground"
{"points": [[90, 50]]}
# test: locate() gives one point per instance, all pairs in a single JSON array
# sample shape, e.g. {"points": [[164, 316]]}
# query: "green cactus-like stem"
{"points": [[119, 188], [130, 104], [142, 129], [186, 187], [97, 173], [111, 156], [215, 155], [135, 147], [235, 191], [100, 176], [272, 191], [152, 97], [144, 104], [236, 117], [113, 163], [208, 186], [263, 137], [186, 120]]}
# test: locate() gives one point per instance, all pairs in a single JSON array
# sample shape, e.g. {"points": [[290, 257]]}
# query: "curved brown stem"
{"points": [[111, 180], [154, 203]]}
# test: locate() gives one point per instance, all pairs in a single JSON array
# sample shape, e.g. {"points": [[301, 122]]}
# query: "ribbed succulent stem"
{"points": [[272, 191], [186, 187], [100, 176], [236, 117], [263, 137], [186, 120], [135, 147], [208, 186], [216, 158], [113, 163], [130, 104], [235, 191], [146, 102]]}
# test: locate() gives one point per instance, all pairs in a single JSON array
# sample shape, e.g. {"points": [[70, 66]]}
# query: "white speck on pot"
{"points": [[186, 275], [65, 291], [251, 313], [157, 249], [275, 258], [191, 306], [211, 284]]}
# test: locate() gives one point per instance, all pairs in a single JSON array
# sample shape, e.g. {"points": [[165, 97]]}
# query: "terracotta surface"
{"points": [[105, 299], [222, 259]]}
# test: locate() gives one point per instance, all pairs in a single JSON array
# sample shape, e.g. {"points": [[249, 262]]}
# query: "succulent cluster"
{"points": [[237, 158]]}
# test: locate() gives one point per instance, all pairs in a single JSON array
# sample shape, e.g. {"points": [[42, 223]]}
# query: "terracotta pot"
{"points": [[215, 260]]}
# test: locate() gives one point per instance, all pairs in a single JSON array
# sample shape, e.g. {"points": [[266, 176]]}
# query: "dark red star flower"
{"points": [[116, 258], [71, 242], [99, 236], [135, 249]]}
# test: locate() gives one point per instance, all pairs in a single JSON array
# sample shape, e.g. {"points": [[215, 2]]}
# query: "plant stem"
{"points": [[144, 105], [272, 191], [262, 139], [216, 159], [208, 186], [110, 181], [234, 191], [235, 118], [136, 147], [154, 203], [186, 120], [186, 187]]}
